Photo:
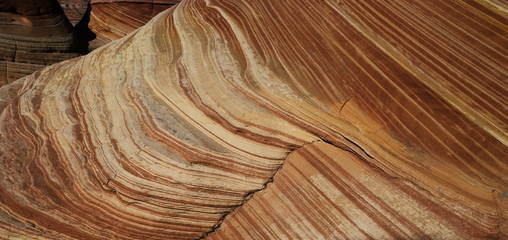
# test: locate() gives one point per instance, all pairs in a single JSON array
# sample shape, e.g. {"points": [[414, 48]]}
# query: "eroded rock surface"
{"points": [[269, 119]]}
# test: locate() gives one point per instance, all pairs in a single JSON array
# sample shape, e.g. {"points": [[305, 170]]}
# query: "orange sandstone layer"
{"points": [[324, 192], [269, 119]]}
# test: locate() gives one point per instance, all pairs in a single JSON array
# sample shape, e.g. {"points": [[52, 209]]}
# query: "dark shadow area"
{"points": [[83, 33]]}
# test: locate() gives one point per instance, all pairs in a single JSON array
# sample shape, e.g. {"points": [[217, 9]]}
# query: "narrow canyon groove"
{"points": [[389, 119]]}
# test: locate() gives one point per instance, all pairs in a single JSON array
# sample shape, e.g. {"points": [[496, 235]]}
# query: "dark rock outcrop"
{"points": [[33, 34]]}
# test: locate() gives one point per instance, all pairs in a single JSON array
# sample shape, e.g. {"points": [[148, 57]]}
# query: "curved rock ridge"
{"points": [[33, 34], [390, 117], [113, 19]]}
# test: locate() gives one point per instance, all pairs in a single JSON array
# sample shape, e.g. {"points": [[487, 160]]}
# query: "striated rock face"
{"points": [[33, 34], [323, 192], [268, 119], [113, 19]]}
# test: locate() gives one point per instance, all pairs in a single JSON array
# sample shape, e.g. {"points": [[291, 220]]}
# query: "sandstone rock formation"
{"points": [[33, 34], [269, 119], [113, 19]]}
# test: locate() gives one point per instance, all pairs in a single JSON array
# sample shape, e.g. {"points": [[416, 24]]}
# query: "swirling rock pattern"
{"points": [[113, 19], [33, 34], [390, 119]]}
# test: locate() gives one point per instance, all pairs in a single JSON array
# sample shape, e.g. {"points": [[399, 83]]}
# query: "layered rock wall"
{"points": [[33, 34]]}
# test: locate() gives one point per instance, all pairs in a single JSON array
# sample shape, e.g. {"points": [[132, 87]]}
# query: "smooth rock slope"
{"points": [[269, 119]]}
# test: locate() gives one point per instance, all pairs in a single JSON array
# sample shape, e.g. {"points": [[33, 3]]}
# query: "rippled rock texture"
{"points": [[113, 19], [33, 34], [269, 119]]}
